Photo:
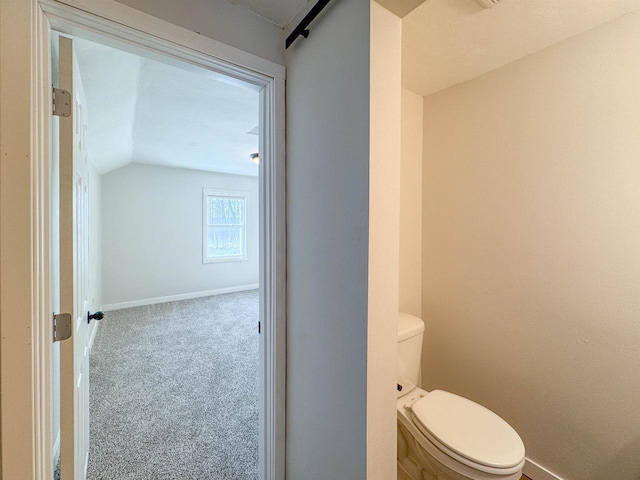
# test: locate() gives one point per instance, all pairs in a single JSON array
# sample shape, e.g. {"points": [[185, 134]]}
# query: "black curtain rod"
{"points": [[301, 29]]}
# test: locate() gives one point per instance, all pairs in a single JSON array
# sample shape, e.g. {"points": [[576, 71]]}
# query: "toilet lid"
{"points": [[470, 430]]}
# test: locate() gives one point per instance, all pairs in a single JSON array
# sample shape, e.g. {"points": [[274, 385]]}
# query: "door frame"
{"points": [[25, 263]]}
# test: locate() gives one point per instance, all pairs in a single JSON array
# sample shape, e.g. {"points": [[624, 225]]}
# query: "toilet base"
{"points": [[415, 464]]}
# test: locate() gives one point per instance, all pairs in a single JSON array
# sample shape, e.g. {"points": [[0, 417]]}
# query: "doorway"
{"points": [[112, 22], [171, 161]]}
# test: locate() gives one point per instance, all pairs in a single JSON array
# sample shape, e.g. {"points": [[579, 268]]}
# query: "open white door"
{"points": [[74, 273]]}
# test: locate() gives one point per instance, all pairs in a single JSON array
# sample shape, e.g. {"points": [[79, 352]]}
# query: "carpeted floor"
{"points": [[174, 391]]}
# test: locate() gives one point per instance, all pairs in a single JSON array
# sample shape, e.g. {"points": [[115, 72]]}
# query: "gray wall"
{"points": [[152, 234], [327, 241], [221, 21]]}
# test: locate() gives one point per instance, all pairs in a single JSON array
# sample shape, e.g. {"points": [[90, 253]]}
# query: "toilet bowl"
{"points": [[443, 436]]}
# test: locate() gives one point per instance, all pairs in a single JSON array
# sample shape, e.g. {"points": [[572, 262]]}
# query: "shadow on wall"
{"points": [[626, 464]]}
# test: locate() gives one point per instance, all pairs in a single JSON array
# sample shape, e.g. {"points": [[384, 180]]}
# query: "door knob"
{"points": [[94, 316]]}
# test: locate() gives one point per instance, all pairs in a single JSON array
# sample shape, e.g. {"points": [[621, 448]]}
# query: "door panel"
{"points": [[74, 269]]}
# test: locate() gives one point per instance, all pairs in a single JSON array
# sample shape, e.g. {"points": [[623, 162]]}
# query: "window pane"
{"points": [[224, 242], [224, 210]]}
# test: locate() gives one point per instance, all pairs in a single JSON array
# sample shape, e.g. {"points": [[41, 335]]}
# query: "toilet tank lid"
{"points": [[409, 326]]}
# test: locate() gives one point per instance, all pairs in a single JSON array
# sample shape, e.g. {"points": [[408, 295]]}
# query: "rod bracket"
{"points": [[301, 29]]}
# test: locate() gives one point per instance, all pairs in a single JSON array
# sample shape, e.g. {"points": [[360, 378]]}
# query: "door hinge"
{"points": [[61, 326], [61, 102]]}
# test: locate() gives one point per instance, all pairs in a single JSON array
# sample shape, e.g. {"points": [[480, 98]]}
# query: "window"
{"points": [[224, 225]]}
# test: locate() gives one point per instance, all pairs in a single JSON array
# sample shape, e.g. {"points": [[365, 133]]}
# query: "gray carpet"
{"points": [[174, 391]]}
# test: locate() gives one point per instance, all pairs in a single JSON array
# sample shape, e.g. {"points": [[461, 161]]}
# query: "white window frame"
{"points": [[210, 192]]}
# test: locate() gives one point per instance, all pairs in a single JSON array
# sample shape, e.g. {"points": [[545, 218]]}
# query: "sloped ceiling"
{"points": [[446, 42], [400, 7], [144, 111]]}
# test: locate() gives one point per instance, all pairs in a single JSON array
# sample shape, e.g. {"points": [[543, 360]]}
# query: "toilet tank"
{"points": [[410, 332]]}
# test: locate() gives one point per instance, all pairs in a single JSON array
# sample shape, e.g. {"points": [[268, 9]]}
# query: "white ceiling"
{"points": [[446, 42], [279, 12], [144, 111]]}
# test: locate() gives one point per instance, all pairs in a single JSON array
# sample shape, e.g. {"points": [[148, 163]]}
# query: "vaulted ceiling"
{"points": [[144, 111]]}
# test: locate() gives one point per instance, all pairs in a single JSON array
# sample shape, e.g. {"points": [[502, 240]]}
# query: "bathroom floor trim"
{"points": [[535, 471]]}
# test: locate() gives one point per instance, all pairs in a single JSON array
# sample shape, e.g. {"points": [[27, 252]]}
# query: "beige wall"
{"points": [[411, 204], [384, 219], [531, 258]]}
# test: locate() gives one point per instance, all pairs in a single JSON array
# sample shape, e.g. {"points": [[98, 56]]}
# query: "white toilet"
{"points": [[442, 436]]}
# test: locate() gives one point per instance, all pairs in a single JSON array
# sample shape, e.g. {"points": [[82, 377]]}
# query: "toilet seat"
{"points": [[468, 432]]}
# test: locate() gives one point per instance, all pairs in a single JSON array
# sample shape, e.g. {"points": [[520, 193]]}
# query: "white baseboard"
{"points": [[537, 472], [56, 450], [173, 298]]}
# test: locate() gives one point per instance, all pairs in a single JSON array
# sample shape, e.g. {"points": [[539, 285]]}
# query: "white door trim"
{"points": [[25, 300], [25, 303]]}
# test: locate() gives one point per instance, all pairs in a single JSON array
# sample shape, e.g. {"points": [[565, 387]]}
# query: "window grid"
{"points": [[224, 226]]}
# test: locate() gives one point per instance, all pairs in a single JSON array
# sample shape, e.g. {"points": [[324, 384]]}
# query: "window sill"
{"points": [[225, 259]]}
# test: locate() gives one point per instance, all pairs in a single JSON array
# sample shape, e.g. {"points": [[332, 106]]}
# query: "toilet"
{"points": [[443, 436]]}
